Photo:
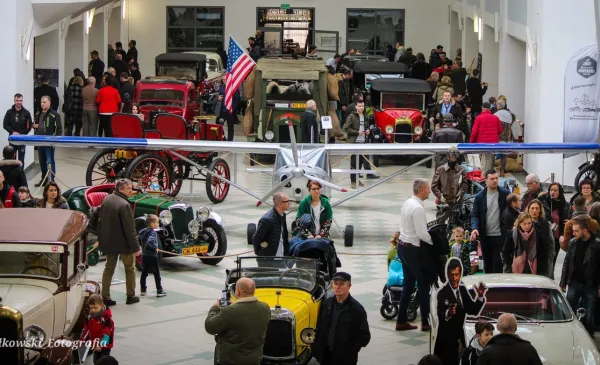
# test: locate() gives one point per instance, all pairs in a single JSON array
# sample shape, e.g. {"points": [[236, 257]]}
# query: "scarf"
{"points": [[525, 252]]}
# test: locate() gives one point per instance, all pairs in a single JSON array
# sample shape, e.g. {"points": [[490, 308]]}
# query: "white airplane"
{"points": [[296, 164]]}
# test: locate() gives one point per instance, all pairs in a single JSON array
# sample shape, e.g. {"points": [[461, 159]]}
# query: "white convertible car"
{"points": [[543, 314]]}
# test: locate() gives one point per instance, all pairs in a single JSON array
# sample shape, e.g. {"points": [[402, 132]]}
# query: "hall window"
{"points": [[286, 31], [195, 28], [372, 30]]}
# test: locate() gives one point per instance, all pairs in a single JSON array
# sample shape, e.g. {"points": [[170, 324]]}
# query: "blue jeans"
{"points": [[576, 292], [46, 157], [411, 267]]}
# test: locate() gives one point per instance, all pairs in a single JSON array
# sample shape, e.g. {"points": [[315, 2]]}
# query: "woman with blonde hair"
{"points": [[74, 107], [520, 252], [545, 250], [444, 85]]}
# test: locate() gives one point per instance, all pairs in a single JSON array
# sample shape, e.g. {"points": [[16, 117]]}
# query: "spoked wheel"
{"points": [[105, 168], [588, 172], [217, 243], [217, 189], [147, 170], [181, 171]]}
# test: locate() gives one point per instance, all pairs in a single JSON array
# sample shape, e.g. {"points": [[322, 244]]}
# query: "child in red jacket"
{"points": [[100, 327]]}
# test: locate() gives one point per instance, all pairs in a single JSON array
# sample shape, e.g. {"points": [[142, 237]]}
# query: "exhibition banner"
{"points": [[582, 96]]}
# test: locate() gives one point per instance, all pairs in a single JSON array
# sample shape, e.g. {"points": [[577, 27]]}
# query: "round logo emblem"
{"points": [[264, 244]]}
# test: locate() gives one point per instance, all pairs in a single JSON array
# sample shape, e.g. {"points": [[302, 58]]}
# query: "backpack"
{"points": [[395, 273]]}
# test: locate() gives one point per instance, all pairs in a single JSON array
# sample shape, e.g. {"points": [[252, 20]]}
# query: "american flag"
{"points": [[239, 65]]}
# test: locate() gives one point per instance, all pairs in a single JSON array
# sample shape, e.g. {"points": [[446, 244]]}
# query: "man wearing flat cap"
{"points": [[342, 327]]}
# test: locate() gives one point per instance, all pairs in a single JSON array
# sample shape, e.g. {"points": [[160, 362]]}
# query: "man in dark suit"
{"points": [[454, 303]]}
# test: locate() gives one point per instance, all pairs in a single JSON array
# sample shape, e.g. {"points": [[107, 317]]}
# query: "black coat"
{"points": [[96, 69], [507, 220], [420, 70], [351, 332], [510, 349], [459, 76], [408, 59], [476, 93], [446, 135], [45, 90], [451, 331], [14, 175], [268, 232], [564, 209], [120, 67], [591, 263], [19, 122], [309, 127]]}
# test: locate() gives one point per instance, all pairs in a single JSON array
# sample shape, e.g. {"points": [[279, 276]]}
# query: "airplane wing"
{"points": [[432, 148], [145, 144]]}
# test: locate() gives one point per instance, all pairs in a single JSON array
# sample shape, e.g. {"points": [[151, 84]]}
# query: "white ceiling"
{"points": [[48, 12]]}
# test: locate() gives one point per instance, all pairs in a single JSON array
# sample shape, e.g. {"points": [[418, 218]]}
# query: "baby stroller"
{"points": [[392, 291]]}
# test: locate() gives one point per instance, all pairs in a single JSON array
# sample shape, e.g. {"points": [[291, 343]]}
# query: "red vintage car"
{"points": [[400, 109]]}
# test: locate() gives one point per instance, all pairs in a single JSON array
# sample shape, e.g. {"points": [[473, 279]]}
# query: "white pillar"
{"points": [[63, 77], [106, 14], [125, 15], [85, 46], [463, 16]]}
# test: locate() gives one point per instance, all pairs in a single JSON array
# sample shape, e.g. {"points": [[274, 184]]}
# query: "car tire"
{"points": [[218, 234], [349, 235], [388, 311], [250, 232]]}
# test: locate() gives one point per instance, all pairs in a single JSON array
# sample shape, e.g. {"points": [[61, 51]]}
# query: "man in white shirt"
{"points": [[333, 62], [413, 233]]}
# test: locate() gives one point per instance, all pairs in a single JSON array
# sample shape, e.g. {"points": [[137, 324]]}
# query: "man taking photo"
{"points": [[240, 328]]}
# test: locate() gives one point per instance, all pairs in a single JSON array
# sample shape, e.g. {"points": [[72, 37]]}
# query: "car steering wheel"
{"points": [[40, 267], [295, 269]]}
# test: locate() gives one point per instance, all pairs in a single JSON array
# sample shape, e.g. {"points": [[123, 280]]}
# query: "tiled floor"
{"points": [[170, 330]]}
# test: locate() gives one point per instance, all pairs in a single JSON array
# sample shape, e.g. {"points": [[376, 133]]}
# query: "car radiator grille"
{"points": [[279, 340], [181, 218], [403, 138], [9, 332]]}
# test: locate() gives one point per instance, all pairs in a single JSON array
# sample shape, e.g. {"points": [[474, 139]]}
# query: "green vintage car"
{"points": [[182, 231]]}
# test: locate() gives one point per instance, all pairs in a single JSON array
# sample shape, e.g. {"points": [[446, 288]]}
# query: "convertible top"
{"points": [[378, 67], [180, 57], [52, 225], [275, 69], [400, 86]]}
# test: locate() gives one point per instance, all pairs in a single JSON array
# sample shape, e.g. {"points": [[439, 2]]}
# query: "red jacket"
{"points": [[487, 128], [108, 100], [98, 328]]}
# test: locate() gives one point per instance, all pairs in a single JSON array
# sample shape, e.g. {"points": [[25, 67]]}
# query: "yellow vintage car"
{"points": [[294, 289]]}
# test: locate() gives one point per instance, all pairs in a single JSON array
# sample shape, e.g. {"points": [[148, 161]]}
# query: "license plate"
{"points": [[194, 250], [298, 106]]}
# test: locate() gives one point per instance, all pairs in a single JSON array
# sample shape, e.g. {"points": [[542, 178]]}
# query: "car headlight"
{"points": [[389, 129], [202, 214], [35, 334], [269, 135], [308, 335], [194, 226], [166, 217], [418, 130]]}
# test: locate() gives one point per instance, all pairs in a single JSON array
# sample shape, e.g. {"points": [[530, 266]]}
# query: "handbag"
{"points": [[395, 273]]}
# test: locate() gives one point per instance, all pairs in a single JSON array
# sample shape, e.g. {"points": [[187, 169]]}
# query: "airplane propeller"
{"points": [[297, 172], [293, 139], [326, 183]]}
